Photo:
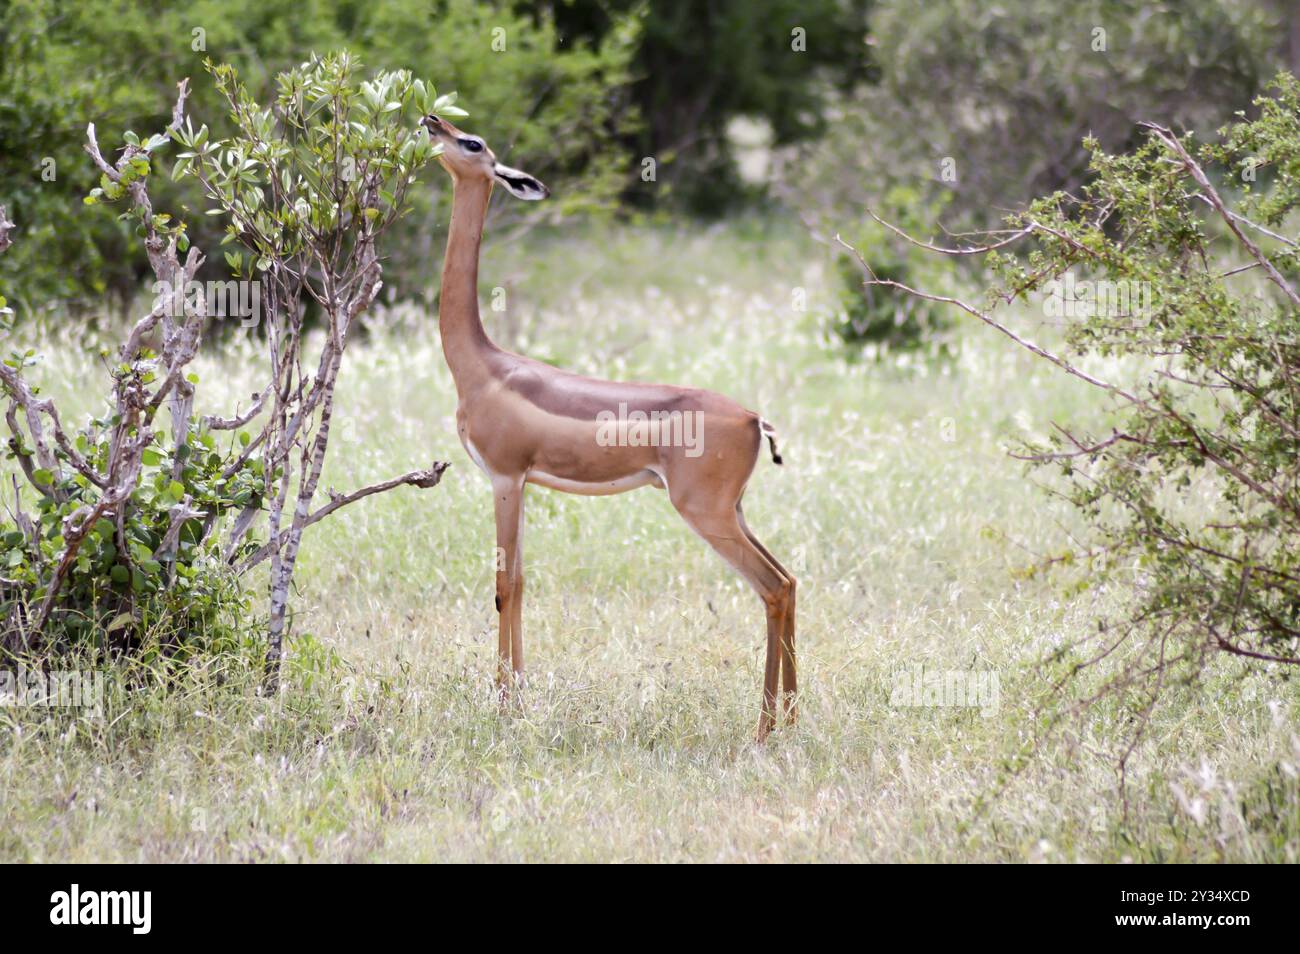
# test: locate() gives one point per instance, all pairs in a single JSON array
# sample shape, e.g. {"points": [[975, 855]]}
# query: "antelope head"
{"points": [[467, 157]]}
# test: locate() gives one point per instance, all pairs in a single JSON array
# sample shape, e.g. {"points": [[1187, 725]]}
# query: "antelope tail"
{"points": [[768, 431]]}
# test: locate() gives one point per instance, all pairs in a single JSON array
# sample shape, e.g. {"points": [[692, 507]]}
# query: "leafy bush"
{"points": [[1191, 498], [134, 535], [886, 321], [880, 318], [986, 117], [142, 581], [1010, 95], [310, 187]]}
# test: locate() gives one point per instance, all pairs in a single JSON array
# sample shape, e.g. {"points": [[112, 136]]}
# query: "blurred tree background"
{"points": [[531, 93], [978, 108], [957, 105]]}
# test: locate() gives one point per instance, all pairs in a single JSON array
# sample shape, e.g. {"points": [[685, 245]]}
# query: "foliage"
{"points": [[116, 548], [310, 187], [1004, 84], [143, 582], [326, 171], [984, 106], [1177, 265], [697, 67], [544, 100], [1009, 95], [875, 317], [129, 527], [554, 105]]}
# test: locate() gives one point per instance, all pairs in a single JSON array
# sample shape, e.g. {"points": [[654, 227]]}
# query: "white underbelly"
{"points": [[586, 488], [594, 488]]}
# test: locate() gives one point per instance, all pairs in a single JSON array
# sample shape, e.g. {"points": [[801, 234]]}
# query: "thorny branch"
{"points": [[984, 317], [1164, 433]]}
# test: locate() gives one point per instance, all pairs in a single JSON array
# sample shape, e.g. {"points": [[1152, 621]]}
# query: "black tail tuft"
{"points": [[768, 431]]}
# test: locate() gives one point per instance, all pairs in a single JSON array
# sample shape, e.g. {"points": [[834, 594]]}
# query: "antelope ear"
{"points": [[520, 184]]}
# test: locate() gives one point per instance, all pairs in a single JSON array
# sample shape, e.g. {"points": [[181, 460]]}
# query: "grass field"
{"points": [[897, 508]]}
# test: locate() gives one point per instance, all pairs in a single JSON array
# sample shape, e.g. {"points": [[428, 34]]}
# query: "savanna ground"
{"points": [[906, 522]]}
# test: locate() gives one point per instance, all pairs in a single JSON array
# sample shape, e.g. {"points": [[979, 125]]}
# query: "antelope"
{"points": [[525, 422]]}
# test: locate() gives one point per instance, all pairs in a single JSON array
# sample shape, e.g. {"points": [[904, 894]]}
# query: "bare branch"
{"points": [[416, 478], [92, 147], [1015, 236], [1239, 269], [1082, 449], [1237, 216], [992, 323], [1235, 650], [239, 420], [179, 515]]}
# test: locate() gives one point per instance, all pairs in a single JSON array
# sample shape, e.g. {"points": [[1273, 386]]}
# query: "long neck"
{"points": [[464, 342]]}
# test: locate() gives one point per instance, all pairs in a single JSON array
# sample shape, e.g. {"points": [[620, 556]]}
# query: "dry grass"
{"points": [[644, 651]]}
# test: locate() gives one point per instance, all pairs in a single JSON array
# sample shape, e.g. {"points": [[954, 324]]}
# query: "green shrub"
{"points": [[1189, 494], [119, 536], [129, 587], [886, 320], [879, 317]]}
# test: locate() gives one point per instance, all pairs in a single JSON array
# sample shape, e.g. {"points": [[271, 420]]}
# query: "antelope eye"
{"points": [[471, 146]]}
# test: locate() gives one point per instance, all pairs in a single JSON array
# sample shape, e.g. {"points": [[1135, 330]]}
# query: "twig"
{"points": [[216, 423], [993, 323], [1230, 219], [1015, 236], [416, 478]]}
